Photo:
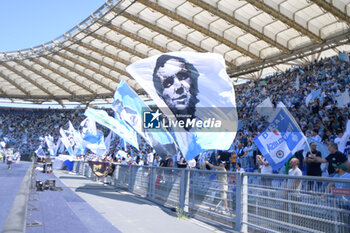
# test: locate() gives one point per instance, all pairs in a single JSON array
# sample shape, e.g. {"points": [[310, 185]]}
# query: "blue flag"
{"points": [[67, 142], [40, 152], [313, 95], [281, 139], [129, 106], [116, 125]]}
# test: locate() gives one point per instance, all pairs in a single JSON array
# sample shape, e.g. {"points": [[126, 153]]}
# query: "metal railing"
{"points": [[242, 201]]}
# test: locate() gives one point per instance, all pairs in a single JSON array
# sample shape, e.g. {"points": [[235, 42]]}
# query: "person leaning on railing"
{"points": [[341, 190], [341, 172]]}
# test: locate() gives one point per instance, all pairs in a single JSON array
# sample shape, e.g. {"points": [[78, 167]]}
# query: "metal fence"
{"points": [[245, 202]]}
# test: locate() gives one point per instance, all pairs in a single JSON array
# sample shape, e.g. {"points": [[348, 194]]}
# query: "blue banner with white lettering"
{"points": [[281, 139]]}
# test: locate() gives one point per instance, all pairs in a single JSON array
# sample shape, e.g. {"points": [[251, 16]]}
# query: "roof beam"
{"points": [[111, 67], [78, 98], [291, 23], [47, 77], [332, 9], [159, 30], [297, 54], [80, 73], [197, 27], [135, 37], [13, 83], [28, 79], [3, 92], [104, 53], [118, 45], [56, 71], [234, 21], [87, 66]]}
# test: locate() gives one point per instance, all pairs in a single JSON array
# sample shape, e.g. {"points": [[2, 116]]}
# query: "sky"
{"points": [[28, 23]]}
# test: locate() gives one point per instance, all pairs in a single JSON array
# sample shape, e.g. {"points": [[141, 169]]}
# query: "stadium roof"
{"points": [[254, 36]]}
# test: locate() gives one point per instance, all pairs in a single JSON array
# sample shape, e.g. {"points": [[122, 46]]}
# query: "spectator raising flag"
{"points": [[281, 138]]}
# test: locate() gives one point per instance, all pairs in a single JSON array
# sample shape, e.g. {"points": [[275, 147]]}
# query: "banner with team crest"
{"points": [[281, 138]]}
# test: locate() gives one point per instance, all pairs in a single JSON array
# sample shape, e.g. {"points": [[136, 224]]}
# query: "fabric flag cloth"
{"points": [[191, 89], [117, 126], [88, 124], [313, 95], [108, 140], [344, 144], [60, 146], [297, 83], [40, 152], [66, 142], [265, 108], [343, 56], [130, 107], [343, 99], [71, 135], [95, 143], [51, 145], [280, 139]]}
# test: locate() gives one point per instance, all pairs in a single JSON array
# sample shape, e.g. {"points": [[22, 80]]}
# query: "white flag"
{"points": [[265, 108], [343, 99], [196, 96]]}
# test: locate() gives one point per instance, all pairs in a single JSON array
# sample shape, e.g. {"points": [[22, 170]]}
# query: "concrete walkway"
{"points": [[128, 212]]}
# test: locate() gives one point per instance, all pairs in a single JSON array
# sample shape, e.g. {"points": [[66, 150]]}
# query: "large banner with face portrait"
{"points": [[195, 95]]}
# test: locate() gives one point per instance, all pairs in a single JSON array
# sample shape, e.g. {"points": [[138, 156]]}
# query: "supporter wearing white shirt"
{"points": [[338, 139], [265, 167], [239, 168], [294, 184], [150, 157], [315, 136]]}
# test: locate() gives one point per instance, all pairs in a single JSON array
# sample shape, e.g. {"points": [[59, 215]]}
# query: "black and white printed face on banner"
{"points": [[176, 82], [195, 94]]}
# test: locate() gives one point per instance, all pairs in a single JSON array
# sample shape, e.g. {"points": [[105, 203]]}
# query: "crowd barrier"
{"points": [[242, 201]]}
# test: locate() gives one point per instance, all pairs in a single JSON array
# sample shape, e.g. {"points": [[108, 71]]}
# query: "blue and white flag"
{"points": [[51, 147], [117, 126], [265, 108], [67, 142], [16, 156], [88, 124], [40, 152], [60, 146], [297, 83], [130, 108], [343, 99], [108, 140], [281, 138], [344, 144], [313, 95], [196, 96], [343, 56], [95, 143]]}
